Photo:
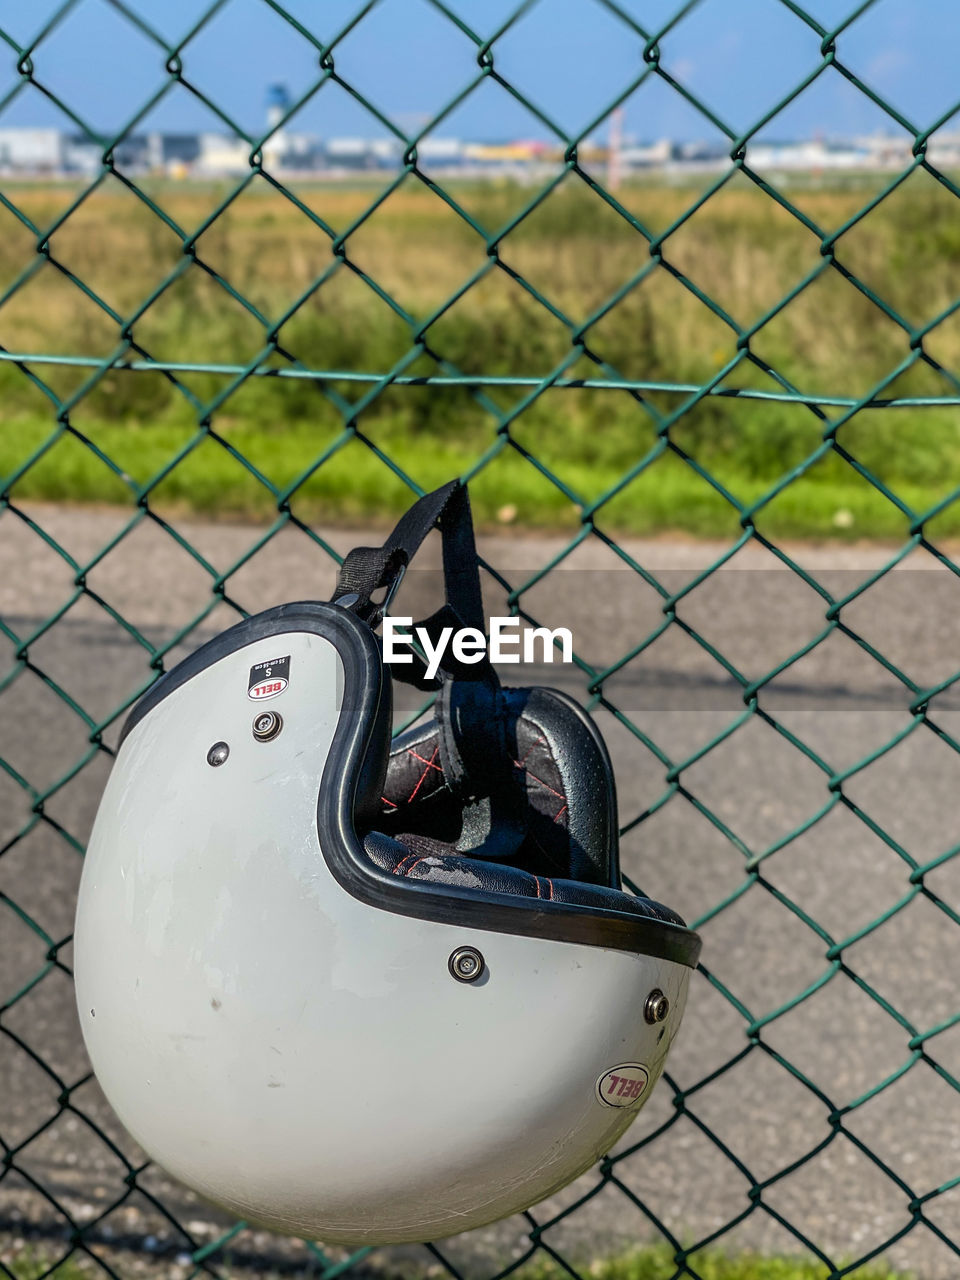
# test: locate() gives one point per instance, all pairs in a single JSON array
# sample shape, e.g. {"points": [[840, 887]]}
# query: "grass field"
{"points": [[739, 248], [652, 1263]]}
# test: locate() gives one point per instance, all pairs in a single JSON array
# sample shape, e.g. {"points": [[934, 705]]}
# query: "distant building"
{"points": [[350, 153], [133, 153], [650, 155], [887, 151], [277, 145], [387, 152], [812, 155], [943, 150], [493, 153], [702, 153], [49, 152], [440, 153], [81, 156], [170, 151], [301, 152], [278, 104], [31, 151], [222, 155]]}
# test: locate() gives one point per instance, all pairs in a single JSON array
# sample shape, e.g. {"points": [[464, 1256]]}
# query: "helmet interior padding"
{"points": [[560, 770]]}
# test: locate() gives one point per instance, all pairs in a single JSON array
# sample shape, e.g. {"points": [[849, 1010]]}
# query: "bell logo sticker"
{"points": [[623, 1086], [267, 679]]}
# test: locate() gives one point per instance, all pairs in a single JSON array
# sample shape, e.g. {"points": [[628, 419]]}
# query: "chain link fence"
{"points": [[61, 1216]]}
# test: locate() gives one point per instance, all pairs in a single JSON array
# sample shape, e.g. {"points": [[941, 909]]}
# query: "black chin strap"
{"points": [[369, 569], [477, 760]]}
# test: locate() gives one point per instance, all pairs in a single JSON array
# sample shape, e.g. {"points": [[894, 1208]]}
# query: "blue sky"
{"points": [[571, 57]]}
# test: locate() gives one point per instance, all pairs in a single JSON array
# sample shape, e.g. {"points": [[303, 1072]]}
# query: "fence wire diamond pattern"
{"points": [[131, 357]]}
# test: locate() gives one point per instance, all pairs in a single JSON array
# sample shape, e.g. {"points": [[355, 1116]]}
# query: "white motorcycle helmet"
{"points": [[358, 991]]}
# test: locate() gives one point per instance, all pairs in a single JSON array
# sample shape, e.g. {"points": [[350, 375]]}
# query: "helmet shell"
{"points": [[295, 1054]]}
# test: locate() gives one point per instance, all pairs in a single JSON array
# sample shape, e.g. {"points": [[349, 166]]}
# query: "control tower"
{"points": [[278, 104]]}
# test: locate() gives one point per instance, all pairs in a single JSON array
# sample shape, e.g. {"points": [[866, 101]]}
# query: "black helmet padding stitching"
{"points": [[560, 764], [423, 859]]}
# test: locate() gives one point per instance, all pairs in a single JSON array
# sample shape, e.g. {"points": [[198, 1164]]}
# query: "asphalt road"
{"points": [[842, 872]]}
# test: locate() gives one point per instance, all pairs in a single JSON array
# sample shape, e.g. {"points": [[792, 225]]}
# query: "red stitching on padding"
{"points": [[547, 787], [429, 764], [550, 883], [536, 881], [387, 800], [423, 759], [413, 865], [539, 743], [398, 869]]}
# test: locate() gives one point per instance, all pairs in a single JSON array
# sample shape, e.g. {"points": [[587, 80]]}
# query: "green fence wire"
{"points": [[87, 1240]]}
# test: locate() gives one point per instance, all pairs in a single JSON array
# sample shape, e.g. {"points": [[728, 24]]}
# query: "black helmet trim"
{"points": [[341, 846]]}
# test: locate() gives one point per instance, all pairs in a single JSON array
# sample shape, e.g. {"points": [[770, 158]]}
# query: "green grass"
{"points": [[657, 1263], [355, 486], [740, 249], [654, 1262]]}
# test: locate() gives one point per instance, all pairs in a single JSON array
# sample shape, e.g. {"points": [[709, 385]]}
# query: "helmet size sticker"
{"points": [[623, 1086], [267, 679]]}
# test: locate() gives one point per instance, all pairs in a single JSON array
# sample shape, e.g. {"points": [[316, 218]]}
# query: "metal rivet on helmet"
{"points": [[465, 964], [657, 1006], [267, 725], [217, 754]]}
